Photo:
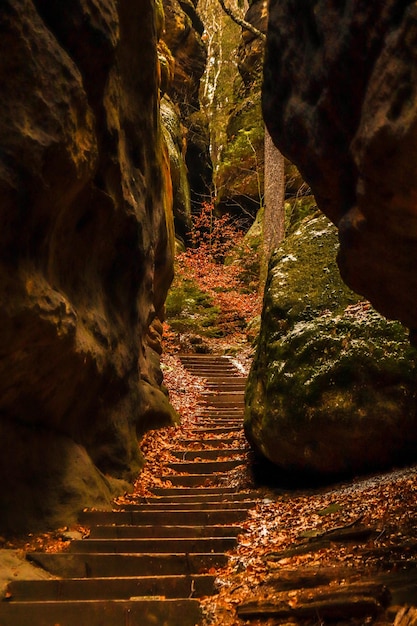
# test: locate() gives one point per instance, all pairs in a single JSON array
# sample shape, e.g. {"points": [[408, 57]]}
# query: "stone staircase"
{"points": [[148, 563]]}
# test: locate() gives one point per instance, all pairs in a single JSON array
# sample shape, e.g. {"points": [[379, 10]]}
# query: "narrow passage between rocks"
{"points": [[149, 560], [198, 544]]}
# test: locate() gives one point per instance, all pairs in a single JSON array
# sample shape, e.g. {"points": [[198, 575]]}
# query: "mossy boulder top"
{"points": [[332, 386], [303, 279]]}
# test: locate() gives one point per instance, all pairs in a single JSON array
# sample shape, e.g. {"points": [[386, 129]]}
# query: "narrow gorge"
{"points": [[150, 152]]}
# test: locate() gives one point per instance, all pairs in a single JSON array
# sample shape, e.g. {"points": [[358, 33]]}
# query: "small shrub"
{"points": [[207, 293]]}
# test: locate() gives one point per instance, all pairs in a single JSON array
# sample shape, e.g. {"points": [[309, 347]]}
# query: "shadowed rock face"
{"points": [[85, 251], [183, 37], [240, 174], [340, 101]]}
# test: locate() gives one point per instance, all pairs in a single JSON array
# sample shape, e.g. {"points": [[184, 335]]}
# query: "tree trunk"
{"points": [[274, 216]]}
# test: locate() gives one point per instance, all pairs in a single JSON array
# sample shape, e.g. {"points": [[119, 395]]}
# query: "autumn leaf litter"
{"points": [[386, 503]]}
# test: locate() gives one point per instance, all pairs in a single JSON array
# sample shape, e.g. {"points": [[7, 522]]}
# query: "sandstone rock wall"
{"points": [[86, 245], [340, 101], [240, 175], [182, 37]]}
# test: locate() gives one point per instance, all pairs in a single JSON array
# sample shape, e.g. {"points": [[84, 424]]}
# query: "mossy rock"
{"points": [[190, 310], [303, 279], [247, 254], [173, 136], [332, 388], [240, 172]]}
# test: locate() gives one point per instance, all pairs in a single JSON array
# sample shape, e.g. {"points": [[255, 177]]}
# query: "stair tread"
{"points": [[148, 561], [130, 531], [137, 612], [187, 506], [76, 565], [120, 587], [152, 545]]}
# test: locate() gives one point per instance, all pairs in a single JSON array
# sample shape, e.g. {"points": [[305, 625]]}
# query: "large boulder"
{"points": [[332, 388], [339, 100], [86, 252]]}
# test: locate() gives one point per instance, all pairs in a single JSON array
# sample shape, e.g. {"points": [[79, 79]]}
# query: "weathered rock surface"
{"points": [[175, 141], [332, 387], [183, 37], [86, 249], [339, 101], [240, 176]]}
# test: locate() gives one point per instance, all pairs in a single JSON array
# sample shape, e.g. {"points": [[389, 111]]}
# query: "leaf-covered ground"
{"points": [[358, 530], [341, 535]]}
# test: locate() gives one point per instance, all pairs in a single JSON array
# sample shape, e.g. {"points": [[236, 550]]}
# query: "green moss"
{"points": [[173, 136], [332, 381], [329, 353], [304, 280], [240, 170], [247, 255], [188, 309]]}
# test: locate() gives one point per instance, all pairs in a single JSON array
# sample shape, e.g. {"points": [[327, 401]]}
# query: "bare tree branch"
{"points": [[243, 23]]}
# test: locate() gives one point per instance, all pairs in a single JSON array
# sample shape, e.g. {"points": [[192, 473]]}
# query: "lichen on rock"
{"points": [[332, 387]]}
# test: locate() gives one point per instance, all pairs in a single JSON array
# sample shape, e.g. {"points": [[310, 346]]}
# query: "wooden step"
{"points": [[72, 565], [165, 518], [110, 531], [237, 406], [204, 467], [235, 379], [181, 491], [223, 395], [190, 455], [203, 497], [182, 586], [149, 612], [188, 505], [215, 430], [212, 369], [208, 443], [206, 411], [194, 480], [219, 422], [192, 356], [150, 545]]}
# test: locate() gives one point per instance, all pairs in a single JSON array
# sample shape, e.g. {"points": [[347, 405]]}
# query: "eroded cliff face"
{"points": [[240, 173], [86, 246], [182, 37], [340, 101]]}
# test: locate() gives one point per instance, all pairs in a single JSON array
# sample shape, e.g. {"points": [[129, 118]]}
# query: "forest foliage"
{"points": [[215, 290]]}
